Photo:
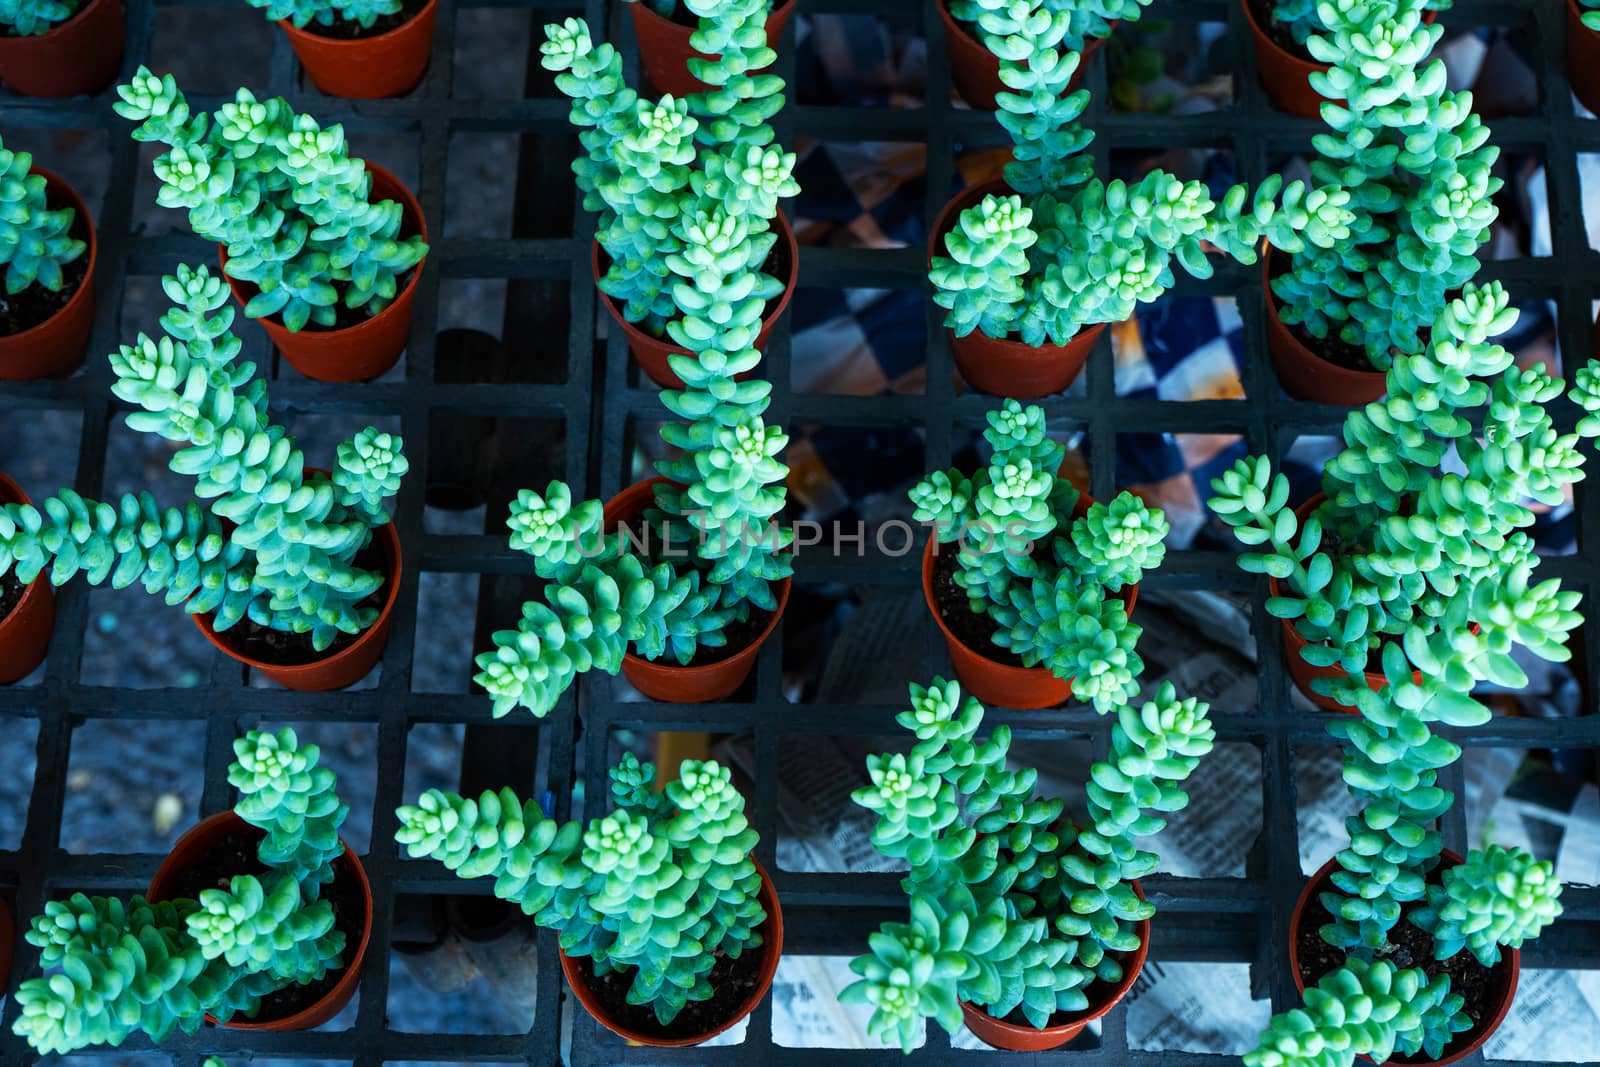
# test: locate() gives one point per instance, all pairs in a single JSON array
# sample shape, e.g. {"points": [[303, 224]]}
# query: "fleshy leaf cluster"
{"points": [[303, 13], [35, 242], [29, 18]]}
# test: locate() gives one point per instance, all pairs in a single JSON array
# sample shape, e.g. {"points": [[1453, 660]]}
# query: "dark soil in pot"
{"points": [[283, 649], [36, 304], [732, 983], [1332, 348], [11, 592], [1408, 947], [1262, 10], [975, 631], [236, 854], [351, 31]]}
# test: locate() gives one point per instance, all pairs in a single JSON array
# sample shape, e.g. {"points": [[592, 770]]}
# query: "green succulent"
{"points": [[1591, 17], [285, 791], [1083, 20], [29, 18], [660, 887], [1049, 606], [1011, 907], [286, 561], [35, 242], [282, 194], [113, 969], [1498, 897], [1302, 18], [303, 13], [1418, 164]]}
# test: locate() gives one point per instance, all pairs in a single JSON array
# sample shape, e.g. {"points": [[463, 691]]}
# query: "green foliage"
{"points": [[303, 13], [1498, 897], [28, 18], [1302, 18], [287, 563], [284, 197], [35, 242], [284, 791], [1041, 575], [113, 969], [1010, 905], [1418, 165], [1591, 17], [661, 886]]}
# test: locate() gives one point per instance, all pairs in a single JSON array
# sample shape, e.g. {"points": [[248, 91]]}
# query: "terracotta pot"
{"points": [[1503, 975], [772, 940], [1000, 684], [199, 840], [664, 679], [341, 669], [664, 48], [1583, 59], [1008, 368], [365, 68], [56, 347], [1286, 76], [976, 71], [81, 55], [652, 353], [364, 351], [25, 629], [1004, 1035], [1304, 374]]}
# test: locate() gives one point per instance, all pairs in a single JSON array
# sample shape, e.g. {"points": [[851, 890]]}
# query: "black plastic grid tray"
{"points": [[602, 407]]}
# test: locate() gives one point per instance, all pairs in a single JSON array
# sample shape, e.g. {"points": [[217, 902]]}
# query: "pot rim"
{"points": [[354, 43], [91, 254]]}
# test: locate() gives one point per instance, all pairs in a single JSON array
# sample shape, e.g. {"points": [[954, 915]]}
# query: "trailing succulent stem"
{"points": [[1011, 906], [303, 13], [1081, 21], [1046, 579], [113, 969], [35, 242], [285, 558], [1302, 18], [663, 886]]}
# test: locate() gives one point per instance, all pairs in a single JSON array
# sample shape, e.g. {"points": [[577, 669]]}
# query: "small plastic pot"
{"points": [[772, 942], [366, 68], [1303, 373], [998, 1033], [202, 838], [976, 71], [1503, 975], [665, 51], [56, 347], [653, 353], [1583, 58], [80, 56], [357, 353], [665, 680], [1008, 368], [1286, 76], [992, 682], [25, 629], [346, 667]]}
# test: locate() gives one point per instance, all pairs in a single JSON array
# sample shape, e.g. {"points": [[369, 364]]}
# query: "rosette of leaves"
{"points": [[1084, 20], [1302, 18], [29, 18], [282, 194], [287, 561], [303, 13], [1044, 578], [661, 886], [1011, 906], [1066, 250], [35, 242], [1418, 164], [113, 969]]}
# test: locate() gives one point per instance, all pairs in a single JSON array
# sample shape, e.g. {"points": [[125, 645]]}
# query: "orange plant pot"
{"points": [[201, 839], [78, 57], [665, 51], [1008, 368], [346, 667], [1504, 974], [670, 682], [25, 630], [653, 354], [364, 351], [1003, 1035], [772, 941], [1286, 76], [992, 682], [56, 347], [1302, 373], [366, 68], [1583, 58], [976, 71]]}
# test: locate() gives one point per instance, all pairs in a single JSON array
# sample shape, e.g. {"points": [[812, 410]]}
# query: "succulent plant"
{"points": [[1302, 18], [1418, 163], [1591, 16], [303, 13], [662, 885], [1084, 20], [115, 968], [1498, 897], [286, 562], [35, 242], [1011, 906], [283, 196], [1067, 250], [1041, 576], [29, 18]]}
